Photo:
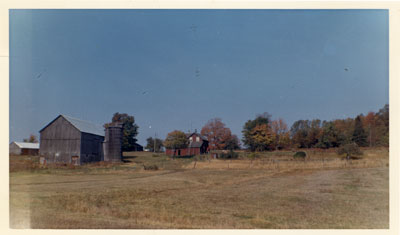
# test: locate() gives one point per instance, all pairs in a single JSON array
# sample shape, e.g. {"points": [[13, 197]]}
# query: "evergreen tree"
{"points": [[359, 135]]}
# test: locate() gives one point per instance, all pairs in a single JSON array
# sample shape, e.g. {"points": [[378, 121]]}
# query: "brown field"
{"points": [[272, 192]]}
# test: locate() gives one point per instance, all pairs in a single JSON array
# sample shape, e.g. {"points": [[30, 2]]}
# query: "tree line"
{"points": [[265, 134], [364, 130]]}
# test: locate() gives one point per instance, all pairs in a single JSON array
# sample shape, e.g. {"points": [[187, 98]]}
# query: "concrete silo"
{"points": [[113, 143]]}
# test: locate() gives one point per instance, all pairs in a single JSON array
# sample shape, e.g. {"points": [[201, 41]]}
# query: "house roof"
{"points": [[24, 145], [81, 125], [198, 134]]}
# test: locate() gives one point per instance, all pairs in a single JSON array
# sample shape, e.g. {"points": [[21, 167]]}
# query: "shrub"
{"points": [[252, 156], [229, 155], [150, 167], [300, 155], [350, 150]]}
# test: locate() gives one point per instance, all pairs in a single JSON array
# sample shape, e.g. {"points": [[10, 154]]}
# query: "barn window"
{"points": [[191, 139], [197, 139]]}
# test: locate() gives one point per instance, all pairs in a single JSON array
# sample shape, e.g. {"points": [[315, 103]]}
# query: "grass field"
{"points": [[273, 191]]}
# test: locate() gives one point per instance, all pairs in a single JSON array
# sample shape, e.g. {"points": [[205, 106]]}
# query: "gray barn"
{"points": [[70, 140]]}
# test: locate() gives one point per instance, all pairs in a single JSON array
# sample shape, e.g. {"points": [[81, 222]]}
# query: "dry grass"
{"points": [[317, 193]]}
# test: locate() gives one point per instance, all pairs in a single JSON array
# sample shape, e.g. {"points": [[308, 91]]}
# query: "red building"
{"points": [[198, 144]]}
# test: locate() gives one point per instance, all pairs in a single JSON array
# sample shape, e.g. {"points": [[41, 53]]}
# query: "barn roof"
{"points": [[85, 126], [24, 145], [81, 125]]}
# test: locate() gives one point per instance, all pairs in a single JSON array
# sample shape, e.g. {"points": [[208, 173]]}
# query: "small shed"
{"points": [[22, 148]]}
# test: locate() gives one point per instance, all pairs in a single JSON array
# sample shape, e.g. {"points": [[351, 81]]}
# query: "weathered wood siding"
{"points": [[60, 141], [91, 148]]}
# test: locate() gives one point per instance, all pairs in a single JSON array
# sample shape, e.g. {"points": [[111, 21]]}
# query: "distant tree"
{"points": [[359, 135], [314, 133], [32, 139], [217, 133], [350, 150], [248, 127], [262, 138], [176, 140], [299, 133], [329, 137], [232, 143], [369, 124], [281, 133], [154, 144], [382, 126], [130, 129], [345, 128]]}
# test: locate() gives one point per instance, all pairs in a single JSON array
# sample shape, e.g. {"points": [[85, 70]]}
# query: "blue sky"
{"points": [[176, 69]]}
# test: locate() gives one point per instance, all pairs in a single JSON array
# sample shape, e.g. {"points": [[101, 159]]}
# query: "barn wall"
{"points": [[184, 152], [32, 152], [60, 141], [15, 149], [91, 148]]}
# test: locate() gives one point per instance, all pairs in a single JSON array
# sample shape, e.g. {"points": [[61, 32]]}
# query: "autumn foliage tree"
{"points": [[219, 136], [176, 140], [262, 137], [32, 139], [248, 138], [345, 129], [281, 133], [299, 133]]}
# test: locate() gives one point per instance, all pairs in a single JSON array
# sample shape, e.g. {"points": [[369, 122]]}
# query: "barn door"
{"points": [[75, 160]]}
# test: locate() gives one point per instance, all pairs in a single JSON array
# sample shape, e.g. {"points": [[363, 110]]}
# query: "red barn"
{"points": [[198, 144]]}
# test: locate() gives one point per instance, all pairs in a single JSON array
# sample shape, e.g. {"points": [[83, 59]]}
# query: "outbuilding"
{"points": [[198, 144], [23, 148]]}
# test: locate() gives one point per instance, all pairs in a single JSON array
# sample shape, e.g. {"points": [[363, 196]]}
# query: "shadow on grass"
{"points": [[184, 157], [128, 159]]}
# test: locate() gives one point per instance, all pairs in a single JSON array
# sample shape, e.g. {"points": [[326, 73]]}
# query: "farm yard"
{"points": [[153, 191]]}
